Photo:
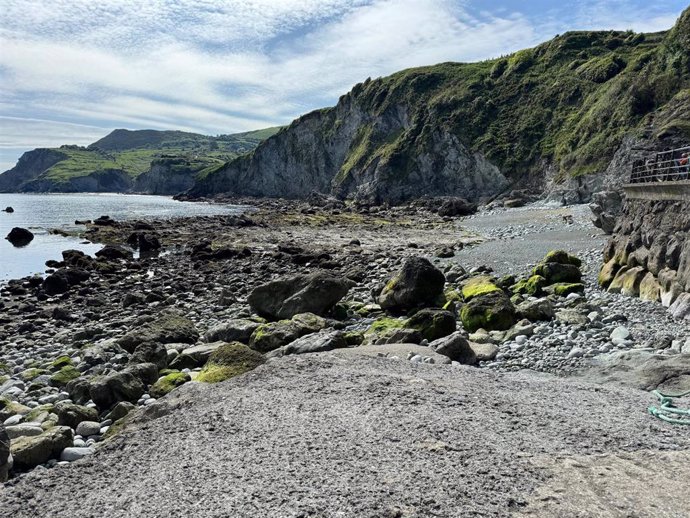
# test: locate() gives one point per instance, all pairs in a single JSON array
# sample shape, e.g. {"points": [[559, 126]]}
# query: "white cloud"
{"points": [[219, 66]]}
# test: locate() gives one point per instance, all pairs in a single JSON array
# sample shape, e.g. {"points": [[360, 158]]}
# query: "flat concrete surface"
{"points": [[331, 436]]}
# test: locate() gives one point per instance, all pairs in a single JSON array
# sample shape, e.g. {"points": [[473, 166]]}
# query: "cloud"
{"points": [[220, 66]]}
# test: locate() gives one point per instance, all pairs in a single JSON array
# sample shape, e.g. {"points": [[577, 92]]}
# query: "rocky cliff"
{"points": [[649, 254], [548, 118], [169, 175]]}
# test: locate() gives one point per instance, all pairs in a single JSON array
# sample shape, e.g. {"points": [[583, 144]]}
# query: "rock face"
{"points": [[20, 236], [417, 284], [606, 207], [168, 176], [284, 298], [170, 327], [649, 253]]}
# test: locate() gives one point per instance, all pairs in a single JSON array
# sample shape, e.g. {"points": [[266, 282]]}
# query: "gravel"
{"points": [[323, 435]]}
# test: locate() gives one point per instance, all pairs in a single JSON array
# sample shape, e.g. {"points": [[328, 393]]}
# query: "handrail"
{"points": [[664, 166]]}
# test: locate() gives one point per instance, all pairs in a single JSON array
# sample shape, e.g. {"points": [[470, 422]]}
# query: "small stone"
{"points": [[88, 428]]}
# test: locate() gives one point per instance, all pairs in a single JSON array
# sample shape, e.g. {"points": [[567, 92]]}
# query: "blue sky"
{"points": [[73, 70]]}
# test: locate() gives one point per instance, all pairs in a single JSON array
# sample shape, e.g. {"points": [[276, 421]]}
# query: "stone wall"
{"points": [[648, 255]]}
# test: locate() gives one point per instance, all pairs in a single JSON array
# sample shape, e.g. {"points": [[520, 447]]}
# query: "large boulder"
{"points": [[417, 284], [493, 312], [456, 347], [432, 323], [63, 279], [5, 455], [627, 281], [650, 289], [150, 352], [235, 330], [169, 328], [228, 361], [606, 207], [20, 236], [114, 252], [273, 335], [284, 298], [452, 207], [195, 356], [28, 452], [540, 309], [168, 383]]}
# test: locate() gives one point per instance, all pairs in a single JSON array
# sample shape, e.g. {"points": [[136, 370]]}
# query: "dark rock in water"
{"points": [[9, 210], [104, 221], [456, 347], [78, 258], [284, 298], [20, 236], [417, 284], [144, 241], [5, 457], [113, 252]]}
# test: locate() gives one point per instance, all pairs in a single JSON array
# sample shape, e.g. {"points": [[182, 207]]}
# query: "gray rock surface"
{"points": [[317, 434], [4, 453]]}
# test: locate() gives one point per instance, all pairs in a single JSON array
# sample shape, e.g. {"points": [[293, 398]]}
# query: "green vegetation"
{"points": [[167, 383], [228, 361], [64, 376], [478, 286]]}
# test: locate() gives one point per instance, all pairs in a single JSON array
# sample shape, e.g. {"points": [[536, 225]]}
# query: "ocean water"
{"points": [[41, 212]]}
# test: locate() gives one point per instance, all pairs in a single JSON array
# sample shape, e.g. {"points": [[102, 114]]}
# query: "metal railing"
{"points": [[664, 166]]}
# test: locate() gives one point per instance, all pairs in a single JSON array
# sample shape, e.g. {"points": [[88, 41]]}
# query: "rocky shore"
{"points": [[188, 302]]}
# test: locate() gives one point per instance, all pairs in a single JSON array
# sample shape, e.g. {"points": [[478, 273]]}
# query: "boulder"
{"points": [[484, 352], [534, 310], [70, 414], [5, 456], [680, 309], [169, 328], [228, 361], [9, 210], [168, 383], [114, 252], [608, 273], [235, 330], [284, 298], [29, 452], [417, 284], [571, 317], [432, 323], [533, 286], [452, 207], [558, 272], [111, 389], [273, 335], [606, 207], [312, 343], [456, 347], [195, 356], [478, 286], [20, 237], [670, 289], [63, 279], [150, 352], [563, 289], [493, 311]]}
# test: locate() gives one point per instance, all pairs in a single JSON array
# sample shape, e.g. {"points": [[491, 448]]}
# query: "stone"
{"points": [[29, 452], [453, 207], [150, 352], [670, 289], [120, 410], [557, 272], [23, 430], [114, 252], [195, 356], [456, 347], [61, 281], [493, 311], [72, 454], [111, 389], [312, 343], [284, 298], [571, 317], [88, 428], [417, 284], [620, 335], [522, 328], [169, 328], [19, 237], [235, 330], [680, 309], [432, 323], [5, 456], [168, 383], [534, 310], [484, 352], [627, 281], [650, 289], [608, 273], [228, 361], [478, 286], [271, 336], [533, 286], [567, 289], [70, 414]]}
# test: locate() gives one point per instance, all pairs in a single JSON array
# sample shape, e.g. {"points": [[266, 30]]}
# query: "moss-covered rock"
{"points": [[608, 273], [228, 361], [59, 363], [8, 408], [650, 289], [563, 289], [418, 284], [534, 286], [627, 281], [562, 257], [167, 383], [64, 376], [170, 327], [354, 338], [478, 286], [493, 311], [558, 272], [32, 373], [432, 324]]}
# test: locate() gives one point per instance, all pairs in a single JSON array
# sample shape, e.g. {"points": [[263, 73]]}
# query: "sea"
{"points": [[42, 212]]}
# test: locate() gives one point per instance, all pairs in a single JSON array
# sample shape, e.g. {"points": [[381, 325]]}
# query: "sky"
{"points": [[73, 70]]}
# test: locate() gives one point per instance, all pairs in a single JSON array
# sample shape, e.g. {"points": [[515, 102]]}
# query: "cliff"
{"points": [[551, 117]]}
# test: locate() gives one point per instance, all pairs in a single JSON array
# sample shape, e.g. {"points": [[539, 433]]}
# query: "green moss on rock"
{"points": [[64, 376], [564, 289], [62, 361], [228, 361], [562, 257], [168, 383], [478, 286]]}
